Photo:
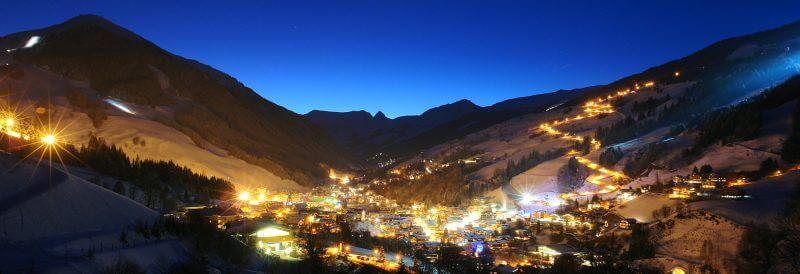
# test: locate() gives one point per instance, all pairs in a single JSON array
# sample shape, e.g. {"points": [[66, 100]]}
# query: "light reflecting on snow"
{"points": [[121, 106], [32, 42], [550, 108]]}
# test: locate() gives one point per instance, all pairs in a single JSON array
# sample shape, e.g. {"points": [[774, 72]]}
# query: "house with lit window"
{"points": [[215, 215], [273, 239]]}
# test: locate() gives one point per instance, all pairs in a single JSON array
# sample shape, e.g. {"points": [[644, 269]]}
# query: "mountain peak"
{"points": [[88, 19], [461, 106], [381, 116], [83, 22]]}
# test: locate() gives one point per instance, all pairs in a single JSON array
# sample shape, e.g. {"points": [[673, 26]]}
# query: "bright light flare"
{"points": [[49, 139], [526, 199], [244, 196]]}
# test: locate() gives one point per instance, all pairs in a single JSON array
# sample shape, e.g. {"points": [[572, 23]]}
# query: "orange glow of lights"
{"points": [[49, 139], [593, 108]]}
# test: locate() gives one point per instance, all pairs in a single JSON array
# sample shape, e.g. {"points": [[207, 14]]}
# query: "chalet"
{"points": [[627, 223], [626, 194], [694, 179], [273, 239], [612, 220], [682, 191], [547, 254], [540, 214], [709, 184], [216, 215], [713, 177]]}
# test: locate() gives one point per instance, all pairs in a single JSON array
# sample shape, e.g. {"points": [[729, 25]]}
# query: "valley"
{"points": [[117, 156]]}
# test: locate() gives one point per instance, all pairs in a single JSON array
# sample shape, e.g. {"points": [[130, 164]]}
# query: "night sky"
{"points": [[402, 57]]}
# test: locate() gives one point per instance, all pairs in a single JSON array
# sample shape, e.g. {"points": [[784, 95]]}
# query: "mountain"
{"points": [[703, 109], [364, 132], [725, 72], [94, 66], [406, 135]]}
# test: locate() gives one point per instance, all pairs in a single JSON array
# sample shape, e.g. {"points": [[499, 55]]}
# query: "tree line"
{"points": [[163, 178]]}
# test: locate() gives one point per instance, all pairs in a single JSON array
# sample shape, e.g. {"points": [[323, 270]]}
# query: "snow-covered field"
{"points": [[641, 208], [769, 197], [699, 238], [46, 203], [49, 219]]}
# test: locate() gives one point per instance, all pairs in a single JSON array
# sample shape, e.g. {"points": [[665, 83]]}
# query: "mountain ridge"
{"points": [[211, 107], [405, 134]]}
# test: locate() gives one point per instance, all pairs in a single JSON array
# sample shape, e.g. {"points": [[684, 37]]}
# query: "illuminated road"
{"points": [[593, 108]]}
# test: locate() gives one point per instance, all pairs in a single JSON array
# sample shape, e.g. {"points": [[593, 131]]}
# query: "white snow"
{"points": [[699, 238], [641, 208], [165, 143], [769, 197], [36, 204], [47, 214]]}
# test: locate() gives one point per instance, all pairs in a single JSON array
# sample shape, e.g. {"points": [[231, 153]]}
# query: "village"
{"points": [[516, 233]]}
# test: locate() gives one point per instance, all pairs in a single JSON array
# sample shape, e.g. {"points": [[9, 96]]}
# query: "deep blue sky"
{"points": [[403, 57]]}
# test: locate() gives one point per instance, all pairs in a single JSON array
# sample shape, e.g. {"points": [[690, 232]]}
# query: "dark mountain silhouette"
{"points": [[208, 105], [407, 134], [720, 74], [364, 132]]}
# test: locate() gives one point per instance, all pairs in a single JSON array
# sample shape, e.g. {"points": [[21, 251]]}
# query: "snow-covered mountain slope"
{"points": [[767, 202], [43, 202], [47, 214], [134, 128], [699, 238], [90, 65], [679, 92]]}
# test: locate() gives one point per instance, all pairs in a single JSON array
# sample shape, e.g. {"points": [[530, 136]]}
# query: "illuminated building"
{"points": [[215, 215], [681, 192], [274, 239], [547, 254]]}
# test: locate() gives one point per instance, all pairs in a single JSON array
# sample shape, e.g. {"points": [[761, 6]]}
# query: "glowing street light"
{"points": [[526, 199], [49, 139]]}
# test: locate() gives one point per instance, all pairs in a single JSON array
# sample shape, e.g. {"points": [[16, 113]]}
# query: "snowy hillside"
{"points": [[47, 214], [699, 238], [769, 197], [90, 65], [136, 131], [37, 204]]}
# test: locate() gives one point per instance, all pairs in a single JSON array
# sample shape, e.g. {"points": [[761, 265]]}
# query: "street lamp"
{"points": [[244, 196]]}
